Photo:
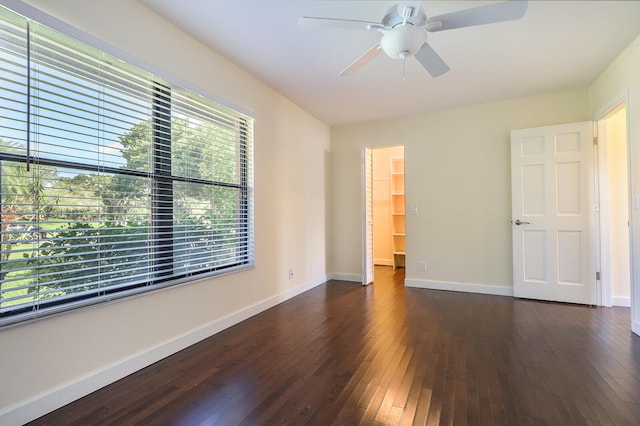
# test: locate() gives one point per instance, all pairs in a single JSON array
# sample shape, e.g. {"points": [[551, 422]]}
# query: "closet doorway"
{"points": [[389, 246], [614, 211]]}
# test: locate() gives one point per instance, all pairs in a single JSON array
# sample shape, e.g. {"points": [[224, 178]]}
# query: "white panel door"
{"points": [[553, 213], [367, 216]]}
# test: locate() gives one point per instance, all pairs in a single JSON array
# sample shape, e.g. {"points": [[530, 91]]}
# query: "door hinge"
{"points": [[595, 140], [597, 276]]}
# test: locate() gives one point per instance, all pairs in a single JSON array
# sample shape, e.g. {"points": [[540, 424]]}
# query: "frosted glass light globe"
{"points": [[403, 40]]}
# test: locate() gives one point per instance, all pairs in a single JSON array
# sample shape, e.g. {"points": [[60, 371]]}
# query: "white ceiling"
{"points": [[557, 46]]}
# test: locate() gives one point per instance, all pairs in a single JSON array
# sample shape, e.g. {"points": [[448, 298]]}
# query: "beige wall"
{"points": [[45, 363], [457, 173], [622, 80]]}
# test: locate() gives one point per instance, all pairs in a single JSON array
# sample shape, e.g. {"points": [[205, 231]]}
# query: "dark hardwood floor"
{"points": [[385, 354]]}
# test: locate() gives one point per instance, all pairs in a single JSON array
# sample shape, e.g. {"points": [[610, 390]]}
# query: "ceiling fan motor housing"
{"points": [[403, 40]]}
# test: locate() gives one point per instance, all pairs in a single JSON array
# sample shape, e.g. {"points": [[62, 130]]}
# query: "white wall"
{"points": [[622, 78], [457, 172], [50, 362]]}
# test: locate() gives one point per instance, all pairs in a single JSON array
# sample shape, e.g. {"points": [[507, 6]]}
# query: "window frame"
{"points": [[162, 182]]}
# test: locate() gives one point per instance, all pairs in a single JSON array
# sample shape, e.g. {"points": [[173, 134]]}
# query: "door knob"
{"points": [[519, 222]]}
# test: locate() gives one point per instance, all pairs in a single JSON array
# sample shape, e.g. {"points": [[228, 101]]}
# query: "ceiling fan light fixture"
{"points": [[402, 41]]}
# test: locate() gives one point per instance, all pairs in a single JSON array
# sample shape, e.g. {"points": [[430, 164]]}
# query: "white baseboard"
{"points": [[345, 277], [383, 262], [621, 301], [464, 287], [44, 403]]}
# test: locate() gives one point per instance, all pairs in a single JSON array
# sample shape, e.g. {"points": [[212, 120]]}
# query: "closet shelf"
{"points": [[398, 211]]}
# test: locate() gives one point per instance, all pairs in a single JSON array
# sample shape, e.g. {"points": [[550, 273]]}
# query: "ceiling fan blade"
{"points": [[348, 24], [498, 12], [431, 61], [363, 60]]}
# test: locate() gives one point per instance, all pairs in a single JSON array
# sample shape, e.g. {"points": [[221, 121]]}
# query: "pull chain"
{"points": [[404, 68]]}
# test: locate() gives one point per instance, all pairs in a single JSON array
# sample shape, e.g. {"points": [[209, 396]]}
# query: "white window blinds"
{"points": [[113, 181]]}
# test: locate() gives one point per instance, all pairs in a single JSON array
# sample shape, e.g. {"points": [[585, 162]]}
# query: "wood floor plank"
{"points": [[392, 381], [389, 355]]}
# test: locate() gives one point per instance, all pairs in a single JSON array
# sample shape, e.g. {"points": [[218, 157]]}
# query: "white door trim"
{"points": [[622, 100], [367, 216]]}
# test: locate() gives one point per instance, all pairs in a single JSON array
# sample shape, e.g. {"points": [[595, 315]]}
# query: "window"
{"points": [[113, 181]]}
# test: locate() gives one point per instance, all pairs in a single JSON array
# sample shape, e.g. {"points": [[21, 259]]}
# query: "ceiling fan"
{"points": [[405, 26]]}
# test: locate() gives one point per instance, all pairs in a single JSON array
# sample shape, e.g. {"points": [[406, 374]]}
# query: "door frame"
{"points": [[367, 215], [602, 192], [367, 179]]}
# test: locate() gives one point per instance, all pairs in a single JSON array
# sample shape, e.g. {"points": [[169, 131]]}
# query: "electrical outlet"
{"points": [[290, 274], [422, 266]]}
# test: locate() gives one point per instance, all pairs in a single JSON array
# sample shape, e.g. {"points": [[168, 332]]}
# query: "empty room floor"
{"points": [[384, 354]]}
